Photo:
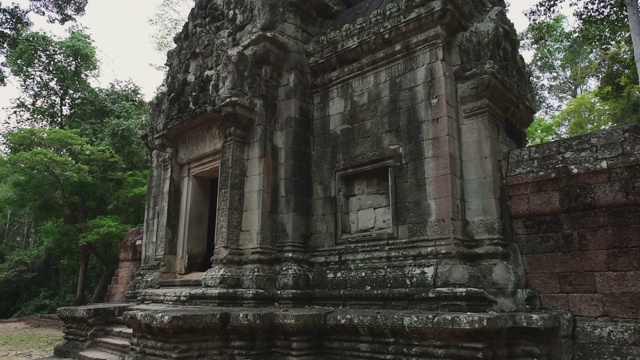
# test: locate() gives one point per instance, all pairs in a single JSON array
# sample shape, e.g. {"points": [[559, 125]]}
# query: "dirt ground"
{"points": [[19, 341]]}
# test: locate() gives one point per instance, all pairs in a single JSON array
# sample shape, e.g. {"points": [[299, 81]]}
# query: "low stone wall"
{"points": [[46, 320], [576, 219], [130, 256]]}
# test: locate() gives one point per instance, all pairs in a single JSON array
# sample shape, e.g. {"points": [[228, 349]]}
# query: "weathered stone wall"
{"points": [[577, 222], [130, 256], [397, 105], [290, 108], [331, 173]]}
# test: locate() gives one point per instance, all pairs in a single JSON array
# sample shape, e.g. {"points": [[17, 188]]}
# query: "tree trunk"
{"points": [[26, 234], [62, 114], [6, 229], [85, 256], [634, 24], [101, 289]]}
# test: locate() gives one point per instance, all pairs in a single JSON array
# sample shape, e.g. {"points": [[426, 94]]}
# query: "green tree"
{"points": [[564, 62], [607, 20], [73, 183], [582, 85], [583, 114], [115, 116], [618, 86], [15, 19], [168, 20], [54, 77], [542, 130], [60, 177]]}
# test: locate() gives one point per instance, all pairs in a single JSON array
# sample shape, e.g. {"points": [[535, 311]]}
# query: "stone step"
{"points": [[113, 345], [176, 283], [119, 332], [94, 354], [168, 295]]}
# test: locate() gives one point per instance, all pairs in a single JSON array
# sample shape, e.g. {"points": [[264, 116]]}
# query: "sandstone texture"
{"points": [[576, 217], [128, 265], [328, 181]]}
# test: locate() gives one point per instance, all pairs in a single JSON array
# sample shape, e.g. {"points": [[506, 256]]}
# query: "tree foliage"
{"points": [[168, 20], [564, 62], [53, 76], [583, 114], [541, 130], [80, 201], [72, 177], [605, 21], [15, 19], [585, 73], [59, 178], [114, 116], [60, 11]]}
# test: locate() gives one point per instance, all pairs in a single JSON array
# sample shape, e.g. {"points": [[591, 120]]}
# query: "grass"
{"points": [[28, 343]]}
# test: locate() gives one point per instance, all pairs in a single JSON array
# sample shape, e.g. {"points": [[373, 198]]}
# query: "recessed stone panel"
{"points": [[365, 202]]}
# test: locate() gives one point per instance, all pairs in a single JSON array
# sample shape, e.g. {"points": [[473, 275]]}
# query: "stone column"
{"points": [[152, 209], [480, 157], [163, 213], [225, 272], [294, 168], [490, 120], [158, 251]]}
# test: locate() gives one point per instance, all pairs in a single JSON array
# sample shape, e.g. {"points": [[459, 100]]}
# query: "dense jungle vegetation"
{"points": [[72, 168]]}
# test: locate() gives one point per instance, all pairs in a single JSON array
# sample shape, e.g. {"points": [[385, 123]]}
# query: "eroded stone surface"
{"points": [[575, 215], [128, 265], [313, 158], [334, 140]]}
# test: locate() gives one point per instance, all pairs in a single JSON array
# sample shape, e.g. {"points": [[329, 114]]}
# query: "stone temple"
{"points": [[328, 182]]}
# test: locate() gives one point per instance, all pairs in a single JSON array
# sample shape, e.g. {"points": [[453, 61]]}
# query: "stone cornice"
{"points": [[426, 46], [383, 27], [487, 90]]}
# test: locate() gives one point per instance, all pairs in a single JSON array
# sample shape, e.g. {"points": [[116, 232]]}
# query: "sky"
{"points": [[122, 35]]}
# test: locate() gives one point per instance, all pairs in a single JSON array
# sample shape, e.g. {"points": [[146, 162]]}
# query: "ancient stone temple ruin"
{"points": [[328, 182]]}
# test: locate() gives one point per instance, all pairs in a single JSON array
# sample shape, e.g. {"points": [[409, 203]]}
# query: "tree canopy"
{"points": [[72, 176], [53, 76], [563, 64], [605, 21], [14, 19], [168, 20], [585, 72]]}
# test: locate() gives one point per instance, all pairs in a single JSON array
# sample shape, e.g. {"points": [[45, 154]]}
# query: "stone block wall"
{"points": [[366, 205], [576, 219], [130, 255]]}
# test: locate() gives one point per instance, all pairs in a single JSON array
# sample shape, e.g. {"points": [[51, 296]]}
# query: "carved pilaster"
{"points": [[161, 237], [491, 125], [225, 272], [230, 194]]}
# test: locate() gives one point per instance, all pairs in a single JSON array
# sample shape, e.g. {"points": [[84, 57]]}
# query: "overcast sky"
{"points": [[122, 35]]}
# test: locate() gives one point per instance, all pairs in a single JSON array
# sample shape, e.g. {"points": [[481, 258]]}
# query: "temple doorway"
{"points": [[199, 209]]}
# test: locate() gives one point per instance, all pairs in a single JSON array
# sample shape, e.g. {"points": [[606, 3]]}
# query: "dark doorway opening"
{"points": [[211, 224]]}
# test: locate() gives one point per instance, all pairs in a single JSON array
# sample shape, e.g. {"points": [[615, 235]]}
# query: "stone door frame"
{"points": [[208, 168]]}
